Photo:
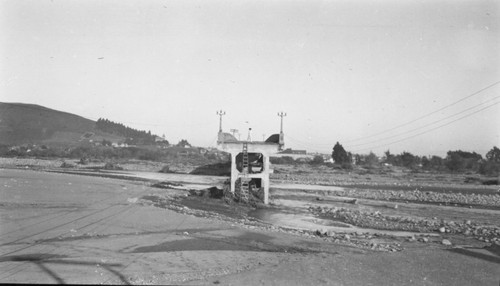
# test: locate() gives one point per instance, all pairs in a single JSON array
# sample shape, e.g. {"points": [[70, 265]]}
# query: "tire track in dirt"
{"points": [[53, 247], [48, 219]]}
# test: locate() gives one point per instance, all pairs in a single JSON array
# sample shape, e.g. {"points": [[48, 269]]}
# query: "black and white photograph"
{"points": [[250, 142]]}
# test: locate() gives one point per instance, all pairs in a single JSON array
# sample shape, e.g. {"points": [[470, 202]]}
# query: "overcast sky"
{"points": [[417, 76]]}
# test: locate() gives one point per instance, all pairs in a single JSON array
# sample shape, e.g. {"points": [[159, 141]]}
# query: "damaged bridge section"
{"points": [[250, 166]]}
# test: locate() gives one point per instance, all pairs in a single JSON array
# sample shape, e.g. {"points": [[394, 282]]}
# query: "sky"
{"points": [[415, 76]]}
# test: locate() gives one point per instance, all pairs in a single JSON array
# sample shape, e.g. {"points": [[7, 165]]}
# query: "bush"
{"points": [[111, 166], [489, 168], [317, 160], [165, 169], [67, 165], [490, 182], [346, 166]]}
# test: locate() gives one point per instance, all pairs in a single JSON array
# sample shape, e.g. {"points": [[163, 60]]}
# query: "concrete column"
{"points": [[234, 173], [265, 178]]}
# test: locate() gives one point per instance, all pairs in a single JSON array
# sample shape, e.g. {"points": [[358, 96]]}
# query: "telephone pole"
{"points": [[281, 114], [220, 113]]}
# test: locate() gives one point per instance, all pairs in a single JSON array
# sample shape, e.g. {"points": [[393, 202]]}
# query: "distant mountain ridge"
{"points": [[22, 123]]}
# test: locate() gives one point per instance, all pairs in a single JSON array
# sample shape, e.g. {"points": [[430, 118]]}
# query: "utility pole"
{"points": [[281, 114], [282, 135], [220, 113]]}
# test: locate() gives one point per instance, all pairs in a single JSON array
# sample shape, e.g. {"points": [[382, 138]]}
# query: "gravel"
{"points": [[376, 220]]}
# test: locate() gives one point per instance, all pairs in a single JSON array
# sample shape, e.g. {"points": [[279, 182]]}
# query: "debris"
{"points": [[446, 242], [424, 239]]}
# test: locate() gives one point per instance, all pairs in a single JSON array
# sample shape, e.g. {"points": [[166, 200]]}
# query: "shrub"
{"points": [[67, 165], [111, 166], [317, 160]]}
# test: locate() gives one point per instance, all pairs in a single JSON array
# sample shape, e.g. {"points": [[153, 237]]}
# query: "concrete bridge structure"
{"points": [[250, 166]]}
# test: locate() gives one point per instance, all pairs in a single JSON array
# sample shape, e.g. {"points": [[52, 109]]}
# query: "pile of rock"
{"points": [[375, 220], [358, 239], [420, 196]]}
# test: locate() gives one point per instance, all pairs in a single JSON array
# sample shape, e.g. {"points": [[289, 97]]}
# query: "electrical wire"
{"points": [[424, 126], [427, 131], [425, 115]]}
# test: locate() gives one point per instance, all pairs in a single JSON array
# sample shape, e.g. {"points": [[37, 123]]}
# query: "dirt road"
{"points": [[61, 228]]}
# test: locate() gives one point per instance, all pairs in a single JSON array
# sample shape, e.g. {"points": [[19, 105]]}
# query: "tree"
{"points": [[389, 158], [461, 160], [426, 163], [493, 155], [371, 160], [409, 160], [339, 155], [183, 143], [491, 166]]}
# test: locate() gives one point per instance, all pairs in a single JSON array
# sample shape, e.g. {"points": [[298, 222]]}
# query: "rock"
{"points": [[331, 233], [425, 239], [446, 242], [442, 229], [132, 200], [348, 237], [468, 222], [321, 232]]}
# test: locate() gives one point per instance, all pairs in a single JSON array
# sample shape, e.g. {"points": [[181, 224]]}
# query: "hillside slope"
{"points": [[29, 123]]}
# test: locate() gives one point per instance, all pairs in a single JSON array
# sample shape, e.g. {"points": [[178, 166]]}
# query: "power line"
{"points": [[424, 126], [426, 115], [421, 133]]}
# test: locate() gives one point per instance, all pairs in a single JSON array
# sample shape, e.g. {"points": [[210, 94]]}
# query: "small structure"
{"points": [[250, 167]]}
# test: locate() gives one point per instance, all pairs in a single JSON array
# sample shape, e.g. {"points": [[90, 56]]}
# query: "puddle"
{"points": [[248, 241]]}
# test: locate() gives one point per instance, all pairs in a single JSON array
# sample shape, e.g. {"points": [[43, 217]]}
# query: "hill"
{"points": [[29, 123]]}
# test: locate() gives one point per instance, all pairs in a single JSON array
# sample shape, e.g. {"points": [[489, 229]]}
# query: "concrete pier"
{"points": [[256, 149]]}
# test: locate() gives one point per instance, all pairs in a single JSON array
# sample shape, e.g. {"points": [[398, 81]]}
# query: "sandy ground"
{"points": [[66, 228]]}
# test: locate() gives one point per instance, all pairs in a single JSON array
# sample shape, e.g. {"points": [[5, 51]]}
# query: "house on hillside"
{"points": [[119, 145]]}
